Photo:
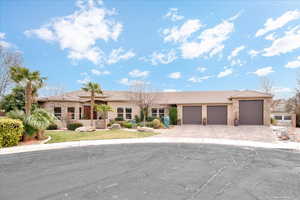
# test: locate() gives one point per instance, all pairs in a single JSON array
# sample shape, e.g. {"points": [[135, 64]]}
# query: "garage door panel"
{"points": [[217, 115], [192, 115], [251, 112]]}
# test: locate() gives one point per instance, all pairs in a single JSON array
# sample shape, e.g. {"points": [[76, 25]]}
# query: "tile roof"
{"points": [[163, 97]]}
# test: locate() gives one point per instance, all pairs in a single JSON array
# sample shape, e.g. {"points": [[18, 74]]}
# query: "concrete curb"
{"points": [[241, 143]]}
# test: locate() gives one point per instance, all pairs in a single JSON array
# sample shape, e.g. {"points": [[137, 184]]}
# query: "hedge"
{"points": [[73, 126], [10, 132]]}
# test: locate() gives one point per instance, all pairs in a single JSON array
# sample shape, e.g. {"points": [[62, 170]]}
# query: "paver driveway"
{"points": [[251, 133]]}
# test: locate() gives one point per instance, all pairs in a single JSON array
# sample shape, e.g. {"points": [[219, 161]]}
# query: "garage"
{"points": [[251, 112], [217, 115], [192, 114]]}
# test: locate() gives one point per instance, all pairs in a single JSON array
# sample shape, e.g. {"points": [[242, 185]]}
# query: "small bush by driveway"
{"points": [[251, 133], [66, 136]]}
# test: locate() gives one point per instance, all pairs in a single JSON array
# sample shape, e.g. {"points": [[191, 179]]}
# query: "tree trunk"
{"points": [[28, 102], [40, 134], [144, 113], [92, 108]]}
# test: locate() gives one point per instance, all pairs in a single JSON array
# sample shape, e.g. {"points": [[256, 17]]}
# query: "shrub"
{"points": [[156, 123], [73, 126], [111, 122], [150, 118], [127, 125], [119, 119], [137, 119], [273, 121], [10, 132], [52, 127], [173, 115]]}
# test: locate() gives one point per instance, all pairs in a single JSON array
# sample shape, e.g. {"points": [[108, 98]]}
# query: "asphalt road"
{"points": [[151, 171]]}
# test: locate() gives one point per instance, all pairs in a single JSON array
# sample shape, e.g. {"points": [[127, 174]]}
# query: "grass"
{"points": [[67, 136]]}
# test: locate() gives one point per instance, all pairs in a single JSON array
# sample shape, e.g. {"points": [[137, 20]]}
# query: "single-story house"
{"points": [[193, 107], [280, 114]]}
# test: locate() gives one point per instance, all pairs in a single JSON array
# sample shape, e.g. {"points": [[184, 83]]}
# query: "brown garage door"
{"points": [[251, 112], [192, 114], [216, 114]]}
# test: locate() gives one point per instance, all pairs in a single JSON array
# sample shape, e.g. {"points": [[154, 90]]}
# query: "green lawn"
{"points": [[66, 136]]}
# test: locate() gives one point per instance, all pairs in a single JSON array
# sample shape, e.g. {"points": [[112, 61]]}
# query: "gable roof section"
{"points": [[162, 97]]}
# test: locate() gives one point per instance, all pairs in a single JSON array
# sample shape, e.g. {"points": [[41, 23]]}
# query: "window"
{"points": [[57, 112], [278, 117], [161, 113], [120, 113], [80, 111], [158, 112], [287, 118], [71, 112], [154, 112], [128, 113]]}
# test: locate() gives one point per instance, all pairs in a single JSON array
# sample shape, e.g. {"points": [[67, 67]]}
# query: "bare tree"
{"points": [[47, 90], [143, 96], [7, 59], [266, 85]]}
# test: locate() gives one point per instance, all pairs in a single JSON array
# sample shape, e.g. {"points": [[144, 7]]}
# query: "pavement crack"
{"points": [[209, 180]]}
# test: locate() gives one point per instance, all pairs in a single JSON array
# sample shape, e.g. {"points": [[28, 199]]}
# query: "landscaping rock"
{"points": [[145, 129], [115, 126], [85, 129]]}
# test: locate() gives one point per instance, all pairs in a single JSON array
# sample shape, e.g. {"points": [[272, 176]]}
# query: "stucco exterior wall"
{"points": [[115, 105]]}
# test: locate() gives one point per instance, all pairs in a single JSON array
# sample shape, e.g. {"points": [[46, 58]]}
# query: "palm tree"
{"points": [[37, 122], [104, 109], [31, 81], [93, 88]]}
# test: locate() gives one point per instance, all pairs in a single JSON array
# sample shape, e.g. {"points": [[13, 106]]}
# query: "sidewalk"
{"points": [[241, 143]]}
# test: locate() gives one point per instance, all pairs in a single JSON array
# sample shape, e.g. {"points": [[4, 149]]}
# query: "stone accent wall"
{"points": [[267, 111], [179, 113], [230, 115], [204, 113]]}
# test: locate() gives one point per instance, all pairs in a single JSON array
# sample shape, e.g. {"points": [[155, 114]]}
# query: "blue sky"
{"points": [[173, 45]]}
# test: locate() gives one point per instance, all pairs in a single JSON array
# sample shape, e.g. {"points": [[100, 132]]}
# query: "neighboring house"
{"points": [[215, 107], [280, 114]]}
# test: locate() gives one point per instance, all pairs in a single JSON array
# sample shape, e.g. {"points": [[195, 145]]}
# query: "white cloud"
{"points": [[79, 32], [164, 57], [2, 35], [84, 80], [173, 15], [253, 53], [211, 41], [201, 69], [235, 52], [98, 72], [119, 54], [289, 42], [226, 72], [270, 37], [181, 34], [293, 64], [264, 71], [126, 81], [3, 43], [273, 24], [199, 79], [170, 90], [175, 75], [43, 33], [137, 73]]}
